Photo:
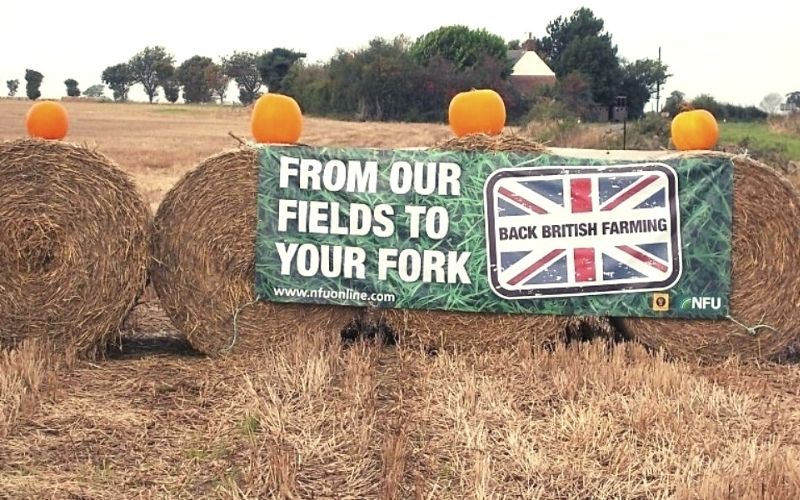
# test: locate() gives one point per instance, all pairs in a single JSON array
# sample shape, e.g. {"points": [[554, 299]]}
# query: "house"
{"points": [[529, 72]]}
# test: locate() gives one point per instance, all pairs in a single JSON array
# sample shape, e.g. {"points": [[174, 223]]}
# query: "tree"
{"points": [[311, 85], [580, 44], [377, 82], [95, 91], [119, 79], [217, 81], [33, 80], [72, 87], [595, 58], [771, 103], [707, 102], [172, 89], [12, 85], [562, 32], [636, 94], [462, 46], [151, 67], [514, 45], [241, 66], [576, 94], [275, 65], [191, 75], [639, 81], [672, 105]]}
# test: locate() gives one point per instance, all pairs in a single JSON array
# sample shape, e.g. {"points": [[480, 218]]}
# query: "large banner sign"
{"points": [[527, 233]]}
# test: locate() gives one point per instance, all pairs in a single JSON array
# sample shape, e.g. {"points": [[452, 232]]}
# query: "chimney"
{"points": [[530, 43]]}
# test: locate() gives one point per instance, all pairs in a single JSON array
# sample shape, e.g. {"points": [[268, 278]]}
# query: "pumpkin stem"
{"points": [[685, 106]]}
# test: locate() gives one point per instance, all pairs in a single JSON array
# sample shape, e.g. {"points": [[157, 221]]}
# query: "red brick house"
{"points": [[530, 72]]}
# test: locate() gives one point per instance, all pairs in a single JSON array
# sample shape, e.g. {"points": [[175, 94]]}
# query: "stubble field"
{"points": [[313, 418]]}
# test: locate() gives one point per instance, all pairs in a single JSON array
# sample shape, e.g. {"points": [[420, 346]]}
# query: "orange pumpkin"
{"points": [[276, 119], [477, 111], [47, 120], [694, 129]]}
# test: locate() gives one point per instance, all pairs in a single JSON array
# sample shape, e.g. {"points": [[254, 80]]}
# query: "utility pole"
{"points": [[658, 84]]}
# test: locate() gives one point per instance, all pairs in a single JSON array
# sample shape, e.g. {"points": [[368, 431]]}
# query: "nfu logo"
{"points": [[702, 303]]}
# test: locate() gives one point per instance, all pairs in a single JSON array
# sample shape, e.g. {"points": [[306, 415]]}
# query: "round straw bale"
{"points": [[765, 279], [204, 263], [433, 330], [73, 246]]}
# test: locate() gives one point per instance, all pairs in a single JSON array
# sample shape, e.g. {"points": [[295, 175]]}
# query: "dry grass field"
{"points": [[314, 418]]}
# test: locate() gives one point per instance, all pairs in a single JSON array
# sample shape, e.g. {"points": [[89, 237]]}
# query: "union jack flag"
{"points": [[582, 230]]}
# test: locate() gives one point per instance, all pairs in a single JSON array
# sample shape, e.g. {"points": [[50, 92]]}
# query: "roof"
{"points": [[514, 55], [528, 63]]}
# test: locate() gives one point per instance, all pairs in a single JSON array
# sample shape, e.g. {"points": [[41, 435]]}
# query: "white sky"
{"points": [[736, 53]]}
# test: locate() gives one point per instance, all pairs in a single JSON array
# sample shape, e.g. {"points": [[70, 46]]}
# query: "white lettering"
{"points": [[286, 256], [288, 170]]}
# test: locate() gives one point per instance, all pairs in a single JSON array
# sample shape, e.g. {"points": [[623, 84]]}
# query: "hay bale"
{"points": [[204, 263], [434, 330], [489, 143], [73, 246], [765, 278]]}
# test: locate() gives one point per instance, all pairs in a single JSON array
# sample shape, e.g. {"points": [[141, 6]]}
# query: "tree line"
{"points": [[199, 77], [721, 111], [407, 80]]}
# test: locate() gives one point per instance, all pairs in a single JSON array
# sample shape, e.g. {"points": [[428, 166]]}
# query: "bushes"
{"points": [[743, 113], [384, 82], [651, 132], [726, 111], [308, 84]]}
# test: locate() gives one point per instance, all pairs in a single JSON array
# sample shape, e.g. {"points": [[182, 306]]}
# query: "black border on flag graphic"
{"points": [[587, 289]]}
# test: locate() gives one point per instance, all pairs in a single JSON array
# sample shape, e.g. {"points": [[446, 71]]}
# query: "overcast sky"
{"points": [[736, 53]]}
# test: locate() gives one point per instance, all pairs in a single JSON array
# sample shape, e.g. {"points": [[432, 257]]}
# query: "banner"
{"points": [[501, 232]]}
